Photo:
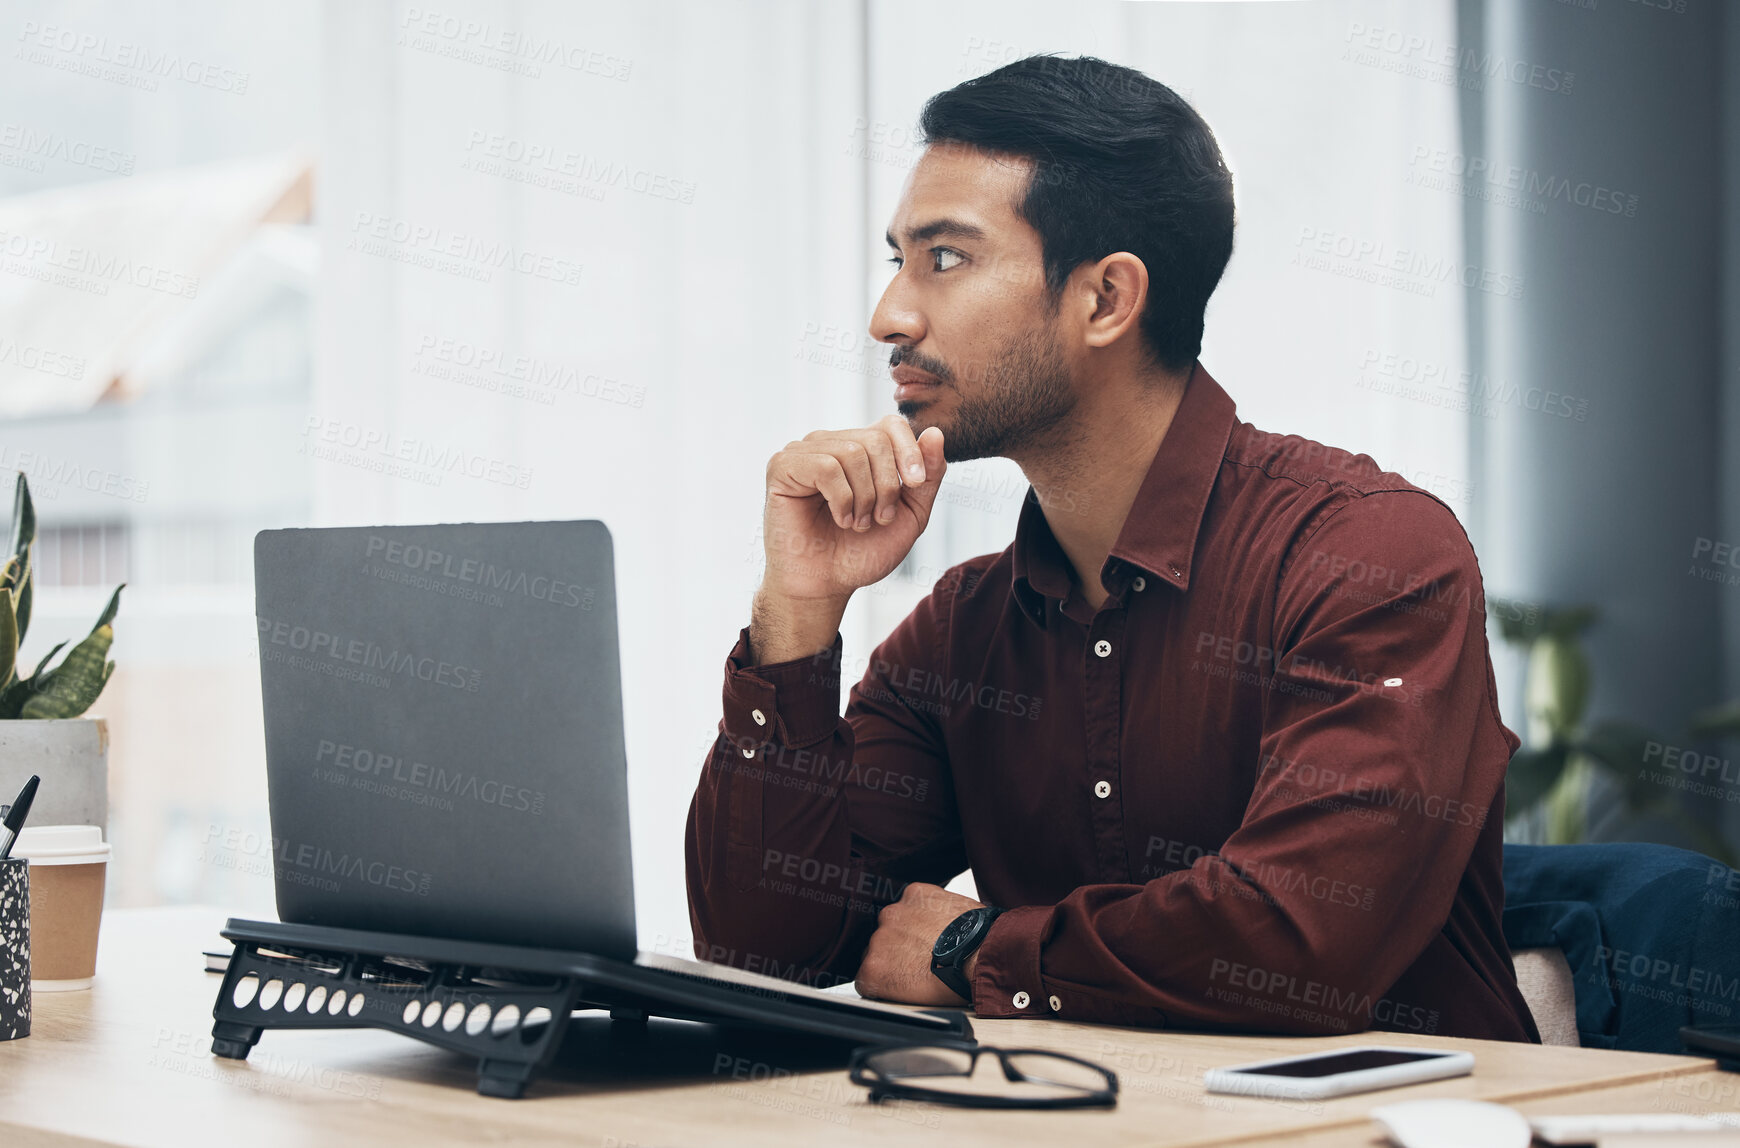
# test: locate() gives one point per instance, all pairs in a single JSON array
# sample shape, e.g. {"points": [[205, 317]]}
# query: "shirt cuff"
{"points": [[1007, 981], [1010, 980], [795, 703]]}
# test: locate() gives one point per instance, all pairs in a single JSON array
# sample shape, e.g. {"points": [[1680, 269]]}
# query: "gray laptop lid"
{"points": [[443, 713]]}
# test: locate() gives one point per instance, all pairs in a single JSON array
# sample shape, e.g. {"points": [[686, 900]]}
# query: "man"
{"points": [[1217, 734]]}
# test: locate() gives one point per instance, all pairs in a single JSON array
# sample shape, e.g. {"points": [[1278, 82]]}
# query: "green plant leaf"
{"points": [[36, 672], [1556, 687], [69, 689], [1569, 622], [12, 698], [1567, 805], [108, 614], [1524, 623], [23, 536], [1519, 622], [26, 592], [8, 634], [1532, 774], [16, 692], [23, 515]]}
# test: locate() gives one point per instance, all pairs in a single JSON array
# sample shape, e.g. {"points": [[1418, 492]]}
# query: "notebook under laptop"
{"points": [[445, 757]]}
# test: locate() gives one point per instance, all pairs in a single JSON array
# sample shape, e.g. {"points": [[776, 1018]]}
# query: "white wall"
{"points": [[693, 308]]}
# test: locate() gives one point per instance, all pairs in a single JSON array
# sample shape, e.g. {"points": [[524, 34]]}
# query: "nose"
{"points": [[896, 319]]}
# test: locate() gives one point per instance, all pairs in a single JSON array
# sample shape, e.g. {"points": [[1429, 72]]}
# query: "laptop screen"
{"points": [[443, 720]]}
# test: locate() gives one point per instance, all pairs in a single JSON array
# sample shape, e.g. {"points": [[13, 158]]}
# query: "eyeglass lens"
{"points": [[953, 1071]]}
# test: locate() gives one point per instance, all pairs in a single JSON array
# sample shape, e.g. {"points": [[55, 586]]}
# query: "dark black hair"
{"points": [[1121, 163]]}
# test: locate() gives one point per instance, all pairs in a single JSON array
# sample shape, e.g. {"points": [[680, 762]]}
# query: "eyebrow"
{"points": [[936, 227]]}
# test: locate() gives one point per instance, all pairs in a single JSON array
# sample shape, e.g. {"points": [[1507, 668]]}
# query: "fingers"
{"points": [[871, 460], [870, 978], [798, 471], [896, 962], [834, 484], [918, 892], [922, 902], [930, 445], [863, 472], [855, 460], [877, 453], [908, 458]]}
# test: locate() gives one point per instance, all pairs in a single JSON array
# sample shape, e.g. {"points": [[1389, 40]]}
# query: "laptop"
{"points": [[445, 760]]}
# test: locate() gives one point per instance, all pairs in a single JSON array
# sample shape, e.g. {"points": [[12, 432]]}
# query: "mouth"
{"points": [[911, 384]]}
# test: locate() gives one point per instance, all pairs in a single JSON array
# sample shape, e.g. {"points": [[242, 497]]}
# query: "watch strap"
{"points": [[951, 970]]}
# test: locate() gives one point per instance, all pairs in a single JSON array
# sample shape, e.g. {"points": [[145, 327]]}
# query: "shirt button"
{"points": [[1103, 648], [760, 718], [1140, 583], [748, 751], [1102, 789], [1020, 1000], [1056, 1005], [1392, 681]]}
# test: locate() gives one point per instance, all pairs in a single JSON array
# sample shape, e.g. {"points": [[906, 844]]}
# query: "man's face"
{"points": [[975, 346]]}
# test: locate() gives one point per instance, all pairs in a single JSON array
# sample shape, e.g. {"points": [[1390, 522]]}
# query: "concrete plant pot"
{"points": [[71, 757]]}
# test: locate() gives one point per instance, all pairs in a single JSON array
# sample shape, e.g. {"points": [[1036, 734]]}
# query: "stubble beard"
{"points": [[1025, 397]]}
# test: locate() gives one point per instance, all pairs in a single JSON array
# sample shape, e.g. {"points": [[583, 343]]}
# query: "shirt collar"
{"points": [[1160, 533]]}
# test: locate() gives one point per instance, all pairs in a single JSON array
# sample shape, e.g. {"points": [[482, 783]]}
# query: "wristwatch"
{"points": [[962, 938]]}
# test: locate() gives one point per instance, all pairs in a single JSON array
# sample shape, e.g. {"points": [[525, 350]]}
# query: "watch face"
{"points": [[959, 930]]}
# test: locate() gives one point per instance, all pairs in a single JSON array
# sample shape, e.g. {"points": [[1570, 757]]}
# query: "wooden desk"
{"points": [[128, 1063], [1695, 1093]]}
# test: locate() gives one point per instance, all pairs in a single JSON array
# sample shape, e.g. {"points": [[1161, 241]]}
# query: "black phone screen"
{"points": [[1355, 1061]]}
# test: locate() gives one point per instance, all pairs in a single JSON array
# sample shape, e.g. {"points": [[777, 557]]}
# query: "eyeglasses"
{"points": [[943, 1074]]}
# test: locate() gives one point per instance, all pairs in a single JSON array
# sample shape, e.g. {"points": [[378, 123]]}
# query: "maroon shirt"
{"points": [[1260, 788]]}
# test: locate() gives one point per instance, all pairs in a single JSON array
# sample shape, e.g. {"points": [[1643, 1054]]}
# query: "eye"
{"points": [[896, 260], [940, 252]]}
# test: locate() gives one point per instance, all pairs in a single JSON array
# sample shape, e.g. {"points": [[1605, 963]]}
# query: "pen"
{"points": [[15, 816]]}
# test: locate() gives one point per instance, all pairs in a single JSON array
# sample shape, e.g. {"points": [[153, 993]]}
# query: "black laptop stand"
{"points": [[505, 1004]]}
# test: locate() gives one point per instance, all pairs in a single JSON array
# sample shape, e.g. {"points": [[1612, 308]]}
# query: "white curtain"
{"points": [[721, 173]]}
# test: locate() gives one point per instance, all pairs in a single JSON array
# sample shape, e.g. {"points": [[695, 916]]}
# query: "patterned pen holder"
{"points": [[14, 948]]}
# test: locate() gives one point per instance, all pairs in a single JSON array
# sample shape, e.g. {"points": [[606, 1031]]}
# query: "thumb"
{"points": [[930, 445]]}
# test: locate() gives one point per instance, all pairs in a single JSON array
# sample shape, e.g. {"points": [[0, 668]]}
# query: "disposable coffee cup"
{"points": [[68, 865]]}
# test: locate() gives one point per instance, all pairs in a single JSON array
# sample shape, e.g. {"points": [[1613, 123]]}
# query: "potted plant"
{"points": [[1565, 762], [41, 730]]}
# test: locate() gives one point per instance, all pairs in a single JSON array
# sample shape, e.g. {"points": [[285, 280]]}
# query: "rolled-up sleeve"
{"points": [[804, 823], [1381, 758]]}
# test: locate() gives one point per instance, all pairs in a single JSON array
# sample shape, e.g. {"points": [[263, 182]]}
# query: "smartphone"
{"points": [[1338, 1072]]}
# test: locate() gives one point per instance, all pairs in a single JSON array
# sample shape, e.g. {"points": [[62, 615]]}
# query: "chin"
{"points": [[921, 416]]}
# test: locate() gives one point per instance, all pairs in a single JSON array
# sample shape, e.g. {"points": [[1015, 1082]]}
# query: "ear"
{"points": [[1116, 287]]}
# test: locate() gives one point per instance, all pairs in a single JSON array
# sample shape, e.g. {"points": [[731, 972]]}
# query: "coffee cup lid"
{"points": [[61, 845]]}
